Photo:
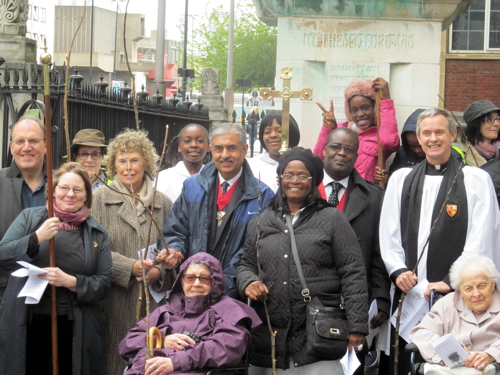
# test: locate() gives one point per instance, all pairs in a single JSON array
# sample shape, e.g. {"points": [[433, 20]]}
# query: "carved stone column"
{"points": [[14, 46], [211, 96]]}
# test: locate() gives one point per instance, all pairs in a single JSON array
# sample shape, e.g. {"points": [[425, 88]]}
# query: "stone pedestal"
{"points": [[17, 49], [331, 43], [211, 97]]}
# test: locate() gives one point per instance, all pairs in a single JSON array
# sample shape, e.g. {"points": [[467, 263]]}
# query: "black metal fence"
{"points": [[96, 106]]}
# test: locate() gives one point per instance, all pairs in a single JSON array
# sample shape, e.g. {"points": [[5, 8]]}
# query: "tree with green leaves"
{"points": [[254, 46]]}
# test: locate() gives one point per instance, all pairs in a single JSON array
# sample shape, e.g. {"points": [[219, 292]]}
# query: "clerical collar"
{"points": [[231, 181], [435, 170]]}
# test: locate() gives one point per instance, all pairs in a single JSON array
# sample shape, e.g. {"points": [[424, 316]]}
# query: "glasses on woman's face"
{"points": [[84, 155], [492, 120], [191, 279], [300, 178], [67, 189]]}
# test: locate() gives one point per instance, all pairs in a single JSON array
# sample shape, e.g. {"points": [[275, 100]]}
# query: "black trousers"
{"points": [[39, 345]]}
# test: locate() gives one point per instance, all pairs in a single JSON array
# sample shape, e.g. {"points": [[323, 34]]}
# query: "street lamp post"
{"points": [[91, 38]]}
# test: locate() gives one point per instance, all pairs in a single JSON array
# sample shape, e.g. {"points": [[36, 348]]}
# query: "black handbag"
{"points": [[327, 330]]}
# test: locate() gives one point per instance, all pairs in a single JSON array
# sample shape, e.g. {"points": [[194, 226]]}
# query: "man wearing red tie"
{"points": [[361, 201]]}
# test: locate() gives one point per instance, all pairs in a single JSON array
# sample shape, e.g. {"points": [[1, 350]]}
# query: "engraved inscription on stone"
{"points": [[359, 40], [339, 75]]}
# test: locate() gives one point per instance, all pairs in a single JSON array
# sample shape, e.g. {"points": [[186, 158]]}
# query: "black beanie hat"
{"points": [[313, 163]]}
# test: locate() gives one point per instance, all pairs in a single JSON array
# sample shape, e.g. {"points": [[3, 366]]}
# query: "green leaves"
{"points": [[254, 46]]}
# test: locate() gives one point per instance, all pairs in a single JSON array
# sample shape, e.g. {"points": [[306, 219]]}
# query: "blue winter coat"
{"points": [[188, 225]]}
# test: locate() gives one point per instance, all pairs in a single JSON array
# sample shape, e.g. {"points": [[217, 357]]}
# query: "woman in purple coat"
{"points": [[218, 325]]}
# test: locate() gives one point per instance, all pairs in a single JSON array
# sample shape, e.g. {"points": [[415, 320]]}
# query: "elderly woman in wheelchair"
{"points": [[200, 327], [471, 314]]}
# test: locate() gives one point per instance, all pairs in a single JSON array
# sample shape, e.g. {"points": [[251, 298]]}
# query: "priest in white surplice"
{"points": [[414, 198]]}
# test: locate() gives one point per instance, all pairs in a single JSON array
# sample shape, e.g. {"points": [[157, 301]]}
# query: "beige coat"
{"points": [[473, 157], [451, 315], [127, 234]]}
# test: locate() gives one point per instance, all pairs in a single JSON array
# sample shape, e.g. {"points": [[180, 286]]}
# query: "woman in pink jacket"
{"points": [[360, 113]]}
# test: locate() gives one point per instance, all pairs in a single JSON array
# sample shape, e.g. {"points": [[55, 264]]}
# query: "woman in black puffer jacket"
{"points": [[331, 260]]}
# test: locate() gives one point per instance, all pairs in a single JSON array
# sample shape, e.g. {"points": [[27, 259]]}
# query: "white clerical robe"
{"points": [[483, 220]]}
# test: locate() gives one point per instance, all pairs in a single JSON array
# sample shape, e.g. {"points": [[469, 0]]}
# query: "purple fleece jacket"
{"points": [[220, 322]]}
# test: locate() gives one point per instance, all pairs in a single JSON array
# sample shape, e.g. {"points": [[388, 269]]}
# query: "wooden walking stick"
{"points": [[45, 59], [380, 158]]}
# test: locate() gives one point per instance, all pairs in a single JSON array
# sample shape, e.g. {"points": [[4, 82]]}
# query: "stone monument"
{"points": [[211, 97], [14, 46], [329, 43]]}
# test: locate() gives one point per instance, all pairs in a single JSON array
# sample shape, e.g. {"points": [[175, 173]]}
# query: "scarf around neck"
{"points": [[447, 239], [70, 220], [487, 150], [146, 194]]}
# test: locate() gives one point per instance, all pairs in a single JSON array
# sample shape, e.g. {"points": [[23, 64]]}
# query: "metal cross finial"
{"points": [[266, 93]]}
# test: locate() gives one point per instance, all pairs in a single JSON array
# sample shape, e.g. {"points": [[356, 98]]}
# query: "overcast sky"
{"points": [[174, 13]]}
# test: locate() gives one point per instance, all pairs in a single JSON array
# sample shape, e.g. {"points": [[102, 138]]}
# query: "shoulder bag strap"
{"points": [[305, 290]]}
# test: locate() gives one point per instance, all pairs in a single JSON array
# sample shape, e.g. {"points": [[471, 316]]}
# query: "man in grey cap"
{"points": [[23, 183], [88, 148]]}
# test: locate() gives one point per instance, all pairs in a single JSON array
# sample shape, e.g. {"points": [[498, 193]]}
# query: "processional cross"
{"points": [[266, 93]]}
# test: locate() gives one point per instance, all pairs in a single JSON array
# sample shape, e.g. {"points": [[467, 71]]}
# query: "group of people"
{"points": [[233, 227]]}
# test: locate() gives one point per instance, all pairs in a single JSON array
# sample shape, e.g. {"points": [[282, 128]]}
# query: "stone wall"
{"points": [[470, 80]]}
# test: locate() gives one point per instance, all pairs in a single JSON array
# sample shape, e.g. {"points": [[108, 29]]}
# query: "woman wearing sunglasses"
{"points": [[200, 327]]}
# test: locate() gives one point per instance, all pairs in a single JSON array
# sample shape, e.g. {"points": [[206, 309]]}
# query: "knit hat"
{"points": [[361, 87], [87, 137], [312, 162], [477, 109]]}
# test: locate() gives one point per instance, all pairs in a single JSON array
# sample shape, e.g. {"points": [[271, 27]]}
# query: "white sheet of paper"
{"points": [[413, 301], [350, 362], [417, 318], [372, 332], [450, 350], [34, 287], [158, 296]]}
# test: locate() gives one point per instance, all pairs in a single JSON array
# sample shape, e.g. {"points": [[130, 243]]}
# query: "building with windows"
{"points": [[471, 66], [40, 24]]}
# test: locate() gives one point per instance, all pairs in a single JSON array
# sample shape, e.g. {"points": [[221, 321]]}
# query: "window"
{"points": [[43, 14], [29, 11], [36, 13], [478, 29]]}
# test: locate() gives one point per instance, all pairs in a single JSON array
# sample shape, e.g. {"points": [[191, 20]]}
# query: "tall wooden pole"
{"points": [[380, 159], [45, 59]]}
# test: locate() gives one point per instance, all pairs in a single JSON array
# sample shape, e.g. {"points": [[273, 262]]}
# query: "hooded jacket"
{"points": [[368, 147], [221, 323], [405, 157], [188, 225]]}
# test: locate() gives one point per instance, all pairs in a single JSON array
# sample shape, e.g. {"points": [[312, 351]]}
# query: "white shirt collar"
{"points": [[231, 181], [328, 180]]}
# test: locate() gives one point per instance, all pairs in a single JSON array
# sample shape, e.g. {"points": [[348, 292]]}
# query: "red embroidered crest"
{"points": [[451, 209]]}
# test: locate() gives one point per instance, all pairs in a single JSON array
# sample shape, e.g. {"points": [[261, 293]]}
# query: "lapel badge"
{"points": [[95, 244], [451, 209]]}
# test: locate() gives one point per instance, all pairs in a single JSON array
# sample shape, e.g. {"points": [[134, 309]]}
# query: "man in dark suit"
{"points": [[215, 206], [361, 201], [22, 185]]}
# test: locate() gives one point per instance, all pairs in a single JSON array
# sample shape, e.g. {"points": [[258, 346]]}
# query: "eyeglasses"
{"points": [[204, 279], [32, 141], [84, 155], [66, 190], [364, 109], [300, 178], [336, 147], [492, 120]]}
